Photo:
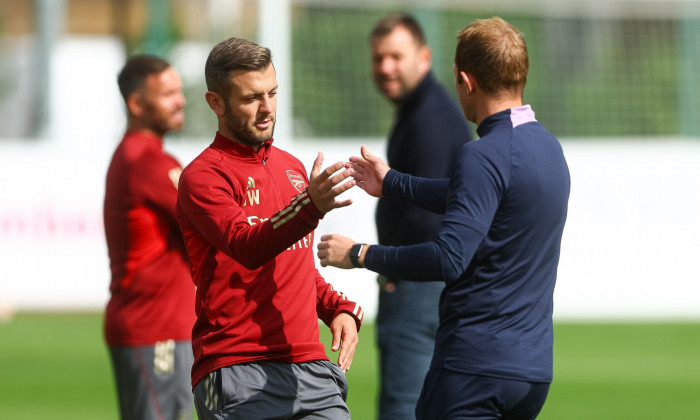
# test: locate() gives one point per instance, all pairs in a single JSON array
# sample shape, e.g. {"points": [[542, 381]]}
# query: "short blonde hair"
{"points": [[494, 52]]}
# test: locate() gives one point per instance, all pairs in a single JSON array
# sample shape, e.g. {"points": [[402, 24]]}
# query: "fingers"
{"points": [[330, 170], [340, 204], [322, 250], [339, 187], [335, 345], [339, 177], [326, 185], [331, 176], [347, 350], [344, 331], [334, 250]]}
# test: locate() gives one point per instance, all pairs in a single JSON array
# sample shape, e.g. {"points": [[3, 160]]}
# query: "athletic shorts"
{"points": [[153, 382], [265, 390], [449, 395]]}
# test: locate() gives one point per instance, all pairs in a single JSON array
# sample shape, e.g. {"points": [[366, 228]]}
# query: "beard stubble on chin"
{"points": [[246, 134]]}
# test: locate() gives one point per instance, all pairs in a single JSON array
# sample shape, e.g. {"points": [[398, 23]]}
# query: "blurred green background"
{"points": [[627, 70], [598, 68]]}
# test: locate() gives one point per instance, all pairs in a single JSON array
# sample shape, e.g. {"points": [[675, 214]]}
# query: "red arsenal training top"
{"points": [[152, 294], [248, 224]]}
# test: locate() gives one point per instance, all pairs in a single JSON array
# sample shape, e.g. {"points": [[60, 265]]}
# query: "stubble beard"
{"points": [[163, 124], [247, 134], [396, 96]]}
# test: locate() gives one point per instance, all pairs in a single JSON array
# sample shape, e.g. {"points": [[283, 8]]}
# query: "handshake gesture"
{"points": [[367, 172]]}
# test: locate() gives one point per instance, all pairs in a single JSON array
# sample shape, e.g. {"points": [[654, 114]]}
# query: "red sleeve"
{"points": [[209, 203], [330, 303], [159, 175]]}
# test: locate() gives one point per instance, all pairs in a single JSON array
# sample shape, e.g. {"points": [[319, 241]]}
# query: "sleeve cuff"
{"points": [[354, 309], [390, 179]]}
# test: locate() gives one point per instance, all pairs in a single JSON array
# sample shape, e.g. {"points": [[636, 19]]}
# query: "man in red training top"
{"points": [[149, 317], [248, 212]]}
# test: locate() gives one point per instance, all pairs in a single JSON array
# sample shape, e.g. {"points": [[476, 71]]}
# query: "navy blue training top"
{"points": [[505, 206]]}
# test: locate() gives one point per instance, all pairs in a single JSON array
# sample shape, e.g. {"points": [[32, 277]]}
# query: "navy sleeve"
{"points": [[426, 193], [474, 195]]}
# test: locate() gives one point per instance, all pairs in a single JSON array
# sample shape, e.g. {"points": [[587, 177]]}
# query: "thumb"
{"points": [[366, 154], [316, 168]]}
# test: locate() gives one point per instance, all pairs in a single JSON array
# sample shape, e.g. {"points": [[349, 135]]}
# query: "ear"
{"points": [[135, 105], [426, 55], [468, 80], [216, 103]]}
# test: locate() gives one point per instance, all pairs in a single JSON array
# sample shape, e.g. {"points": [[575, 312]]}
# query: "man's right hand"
{"points": [[370, 171], [325, 186]]}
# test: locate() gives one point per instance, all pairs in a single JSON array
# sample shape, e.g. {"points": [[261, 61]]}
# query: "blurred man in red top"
{"points": [[149, 317]]}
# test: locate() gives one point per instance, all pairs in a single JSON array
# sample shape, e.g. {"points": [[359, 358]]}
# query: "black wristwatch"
{"points": [[355, 253]]}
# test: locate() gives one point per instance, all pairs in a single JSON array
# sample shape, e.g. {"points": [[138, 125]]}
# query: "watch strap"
{"points": [[355, 252]]}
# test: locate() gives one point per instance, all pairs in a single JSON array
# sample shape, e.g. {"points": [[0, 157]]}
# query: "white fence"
{"points": [[629, 248]]}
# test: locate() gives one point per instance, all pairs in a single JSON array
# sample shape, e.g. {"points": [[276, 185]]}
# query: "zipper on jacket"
{"points": [[274, 182]]}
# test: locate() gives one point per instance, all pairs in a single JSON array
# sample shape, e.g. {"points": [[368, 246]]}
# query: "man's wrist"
{"points": [[357, 256]]}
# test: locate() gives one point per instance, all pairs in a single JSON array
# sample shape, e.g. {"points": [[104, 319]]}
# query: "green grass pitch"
{"points": [[56, 366]]}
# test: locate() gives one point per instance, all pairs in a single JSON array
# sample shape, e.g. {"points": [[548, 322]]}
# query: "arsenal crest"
{"points": [[296, 180]]}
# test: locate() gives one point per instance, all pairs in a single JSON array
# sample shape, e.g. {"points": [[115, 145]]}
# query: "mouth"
{"points": [[178, 117], [264, 124], [389, 84]]}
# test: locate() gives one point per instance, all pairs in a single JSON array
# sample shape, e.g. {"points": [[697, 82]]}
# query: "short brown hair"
{"points": [[233, 54], [494, 52], [393, 20], [134, 73]]}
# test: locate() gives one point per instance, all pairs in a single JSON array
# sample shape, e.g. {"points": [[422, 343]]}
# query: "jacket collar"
{"points": [[415, 97], [233, 148]]}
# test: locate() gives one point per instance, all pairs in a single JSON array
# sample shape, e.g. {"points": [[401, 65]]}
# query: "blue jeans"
{"points": [[407, 320]]}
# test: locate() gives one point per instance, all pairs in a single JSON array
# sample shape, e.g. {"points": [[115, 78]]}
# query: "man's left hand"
{"points": [[344, 330]]}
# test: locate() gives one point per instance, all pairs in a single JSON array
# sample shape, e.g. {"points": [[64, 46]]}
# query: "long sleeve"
{"points": [[212, 208], [330, 303], [471, 202], [428, 194]]}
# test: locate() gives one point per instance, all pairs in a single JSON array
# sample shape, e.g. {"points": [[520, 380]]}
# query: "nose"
{"points": [[267, 105], [178, 99], [385, 65]]}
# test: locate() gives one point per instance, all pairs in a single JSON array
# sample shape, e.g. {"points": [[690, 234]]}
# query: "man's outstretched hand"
{"points": [[370, 171], [325, 186]]}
